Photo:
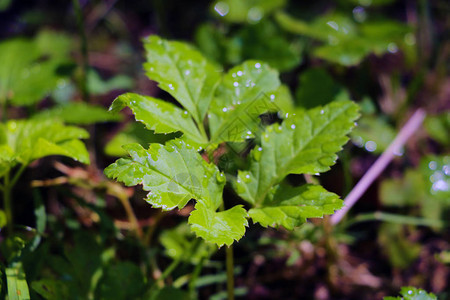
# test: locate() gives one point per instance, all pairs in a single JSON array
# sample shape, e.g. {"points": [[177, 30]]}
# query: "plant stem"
{"points": [[194, 277], [230, 272], [3, 102], [375, 170], [7, 203], [395, 218], [83, 49]]}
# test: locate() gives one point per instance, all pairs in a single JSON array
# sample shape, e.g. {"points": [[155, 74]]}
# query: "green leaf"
{"points": [[265, 42], [121, 281], [346, 42], [168, 292], [244, 94], [438, 127], [183, 72], [98, 86], [136, 133], [317, 87], [175, 173], [218, 227], [290, 207], [373, 133], [159, 115], [401, 192], [29, 68], [412, 293], [252, 11], [16, 282], [78, 113], [28, 140], [181, 244], [305, 143], [52, 289], [400, 251], [436, 175]]}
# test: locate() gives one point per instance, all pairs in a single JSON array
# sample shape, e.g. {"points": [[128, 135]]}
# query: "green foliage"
{"points": [[16, 283], [246, 91], [180, 244], [135, 133], [400, 251], [427, 186], [438, 127], [245, 11], [344, 41], [98, 86], [316, 87], [412, 293], [29, 68], [121, 281], [373, 133], [78, 113], [183, 72], [306, 142], [160, 116], [263, 41], [23, 141]]}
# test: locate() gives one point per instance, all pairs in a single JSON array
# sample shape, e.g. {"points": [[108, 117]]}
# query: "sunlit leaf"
{"points": [[175, 173], [412, 293], [305, 143], [159, 115], [183, 72], [244, 94], [290, 207], [28, 140]]}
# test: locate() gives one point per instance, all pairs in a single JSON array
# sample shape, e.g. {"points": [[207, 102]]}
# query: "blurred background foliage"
{"points": [[79, 236]]}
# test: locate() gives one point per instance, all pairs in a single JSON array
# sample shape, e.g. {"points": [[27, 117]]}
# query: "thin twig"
{"points": [[375, 170]]}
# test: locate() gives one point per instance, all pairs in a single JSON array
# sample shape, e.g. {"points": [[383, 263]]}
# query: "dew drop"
{"points": [[240, 73], [272, 97], [392, 48], [236, 84], [171, 86], [187, 72], [333, 25], [222, 8], [322, 112], [432, 165], [220, 177], [257, 65], [185, 114], [224, 109], [370, 146], [293, 126], [255, 14]]}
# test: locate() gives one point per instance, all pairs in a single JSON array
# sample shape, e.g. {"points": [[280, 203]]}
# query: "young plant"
{"points": [[220, 108]]}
